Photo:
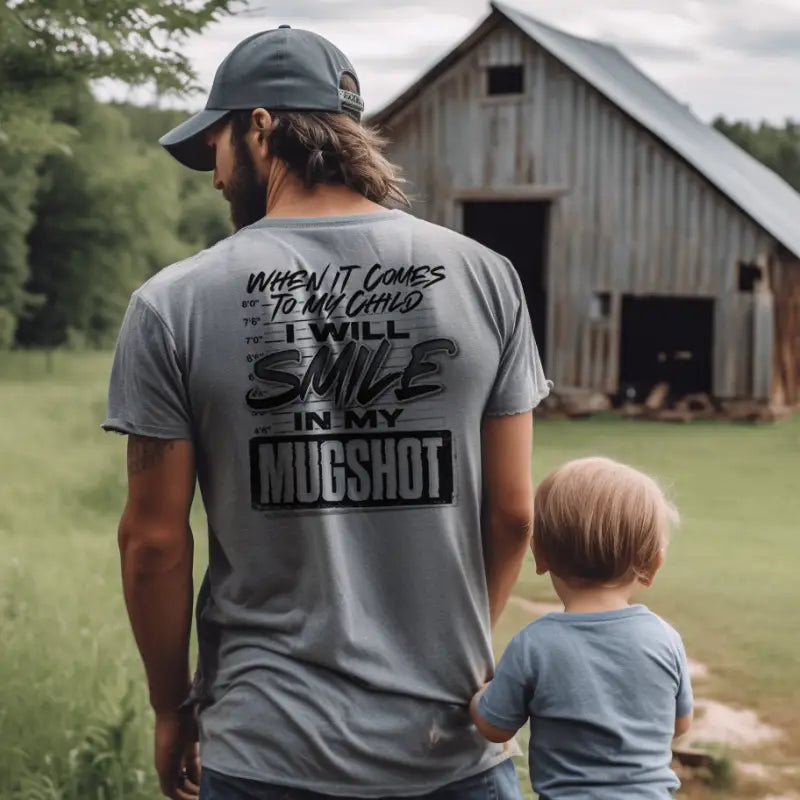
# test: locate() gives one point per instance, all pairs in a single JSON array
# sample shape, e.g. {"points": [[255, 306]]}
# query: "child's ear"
{"points": [[542, 567], [647, 581]]}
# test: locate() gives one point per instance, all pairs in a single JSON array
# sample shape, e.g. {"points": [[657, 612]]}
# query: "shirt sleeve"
{"points": [[684, 700], [147, 395], [520, 384], [505, 702]]}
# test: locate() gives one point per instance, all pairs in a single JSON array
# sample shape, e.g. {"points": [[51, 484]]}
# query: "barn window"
{"points": [[600, 308], [749, 276], [506, 80]]}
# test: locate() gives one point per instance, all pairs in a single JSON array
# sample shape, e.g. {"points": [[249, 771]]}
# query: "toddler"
{"points": [[604, 684]]}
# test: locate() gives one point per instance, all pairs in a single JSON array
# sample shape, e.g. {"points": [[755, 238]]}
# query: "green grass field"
{"points": [[73, 721]]}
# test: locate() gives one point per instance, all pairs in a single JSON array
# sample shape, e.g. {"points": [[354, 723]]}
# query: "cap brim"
{"points": [[186, 143]]}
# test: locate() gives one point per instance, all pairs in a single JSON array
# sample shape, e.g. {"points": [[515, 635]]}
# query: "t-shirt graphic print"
{"points": [[333, 375], [344, 360]]}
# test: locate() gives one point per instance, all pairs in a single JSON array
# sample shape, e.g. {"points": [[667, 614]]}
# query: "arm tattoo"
{"points": [[145, 453]]}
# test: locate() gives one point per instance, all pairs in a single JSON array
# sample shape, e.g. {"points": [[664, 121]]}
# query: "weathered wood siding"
{"points": [[785, 283], [636, 219]]}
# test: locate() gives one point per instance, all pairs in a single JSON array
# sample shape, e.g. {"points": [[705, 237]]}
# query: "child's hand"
{"points": [[487, 730]]}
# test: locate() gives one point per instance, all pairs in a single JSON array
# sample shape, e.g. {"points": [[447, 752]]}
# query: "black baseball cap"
{"points": [[281, 70]]}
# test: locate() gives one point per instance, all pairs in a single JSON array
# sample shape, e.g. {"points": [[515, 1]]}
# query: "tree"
{"points": [[106, 219], [204, 217], [778, 148], [18, 180], [46, 48], [137, 41]]}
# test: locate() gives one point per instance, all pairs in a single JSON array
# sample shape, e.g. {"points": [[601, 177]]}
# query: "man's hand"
{"points": [[177, 756]]}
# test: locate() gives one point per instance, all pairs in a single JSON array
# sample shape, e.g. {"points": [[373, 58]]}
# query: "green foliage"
{"points": [[106, 219], [136, 41], [8, 324], [17, 187], [74, 717], [778, 148], [722, 771], [204, 215], [204, 218], [103, 764], [49, 52], [108, 214], [45, 44]]}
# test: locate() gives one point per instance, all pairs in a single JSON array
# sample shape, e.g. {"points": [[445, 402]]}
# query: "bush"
{"points": [[8, 327]]}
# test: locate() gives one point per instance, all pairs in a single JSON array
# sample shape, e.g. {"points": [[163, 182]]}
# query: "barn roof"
{"points": [[754, 188]]}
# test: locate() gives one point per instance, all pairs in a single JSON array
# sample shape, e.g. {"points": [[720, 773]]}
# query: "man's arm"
{"points": [[156, 549], [507, 503]]}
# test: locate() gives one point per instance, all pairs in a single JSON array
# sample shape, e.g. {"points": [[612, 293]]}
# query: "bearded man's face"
{"points": [[246, 190], [236, 176]]}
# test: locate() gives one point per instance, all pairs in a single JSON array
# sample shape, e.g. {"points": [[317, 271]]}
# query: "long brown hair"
{"points": [[322, 147]]}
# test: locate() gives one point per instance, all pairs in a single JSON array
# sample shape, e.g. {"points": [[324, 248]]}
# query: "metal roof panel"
{"points": [[756, 189]]}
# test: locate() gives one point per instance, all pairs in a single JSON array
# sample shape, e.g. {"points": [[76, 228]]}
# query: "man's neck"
{"points": [[288, 198]]}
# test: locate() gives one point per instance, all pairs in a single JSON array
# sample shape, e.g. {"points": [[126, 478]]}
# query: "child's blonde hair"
{"points": [[600, 521]]}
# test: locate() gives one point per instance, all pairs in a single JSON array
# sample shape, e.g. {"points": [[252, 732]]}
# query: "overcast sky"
{"points": [[740, 58]]}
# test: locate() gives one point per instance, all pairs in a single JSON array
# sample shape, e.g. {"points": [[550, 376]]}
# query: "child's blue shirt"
{"points": [[602, 692]]}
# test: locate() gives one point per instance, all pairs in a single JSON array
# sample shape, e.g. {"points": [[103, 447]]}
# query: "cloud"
{"points": [[771, 42], [719, 56], [353, 10], [417, 60], [325, 13]]}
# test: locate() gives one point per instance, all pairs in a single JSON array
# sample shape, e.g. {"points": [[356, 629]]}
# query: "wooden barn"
{"points": [[650, 247]]}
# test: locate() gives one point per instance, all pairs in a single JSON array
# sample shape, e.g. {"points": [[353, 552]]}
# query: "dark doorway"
{"points": [[666, 339], [517, 231]]}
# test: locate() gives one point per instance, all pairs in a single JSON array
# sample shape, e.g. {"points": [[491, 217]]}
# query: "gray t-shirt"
{"points": [[333, 374], [602, 692]]}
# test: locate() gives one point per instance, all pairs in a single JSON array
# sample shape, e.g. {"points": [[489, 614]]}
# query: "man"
{"points": [[352, 387]]}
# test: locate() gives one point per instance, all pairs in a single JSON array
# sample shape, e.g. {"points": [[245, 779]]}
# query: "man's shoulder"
{"points": [[188, 270], [169, 283]]}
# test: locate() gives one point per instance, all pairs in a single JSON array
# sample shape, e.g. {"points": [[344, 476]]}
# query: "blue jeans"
{"points": [[498, 783]]}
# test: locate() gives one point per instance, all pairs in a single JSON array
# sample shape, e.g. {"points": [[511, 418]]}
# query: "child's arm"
{"points": [[486, 729], [682, 724], [500, 708]]}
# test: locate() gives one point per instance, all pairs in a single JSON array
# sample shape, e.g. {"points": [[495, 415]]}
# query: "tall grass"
{"points": [[74, 722]]}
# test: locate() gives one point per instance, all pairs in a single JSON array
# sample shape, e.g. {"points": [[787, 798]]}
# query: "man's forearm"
{"points": [[157, 583], [506, 543]]}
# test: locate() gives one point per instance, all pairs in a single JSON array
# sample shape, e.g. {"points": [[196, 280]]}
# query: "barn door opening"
{"points": [[669, 340], [518, 231]]}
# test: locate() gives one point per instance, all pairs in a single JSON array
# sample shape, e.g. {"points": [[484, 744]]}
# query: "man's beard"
{"points": [[247, 191]]}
